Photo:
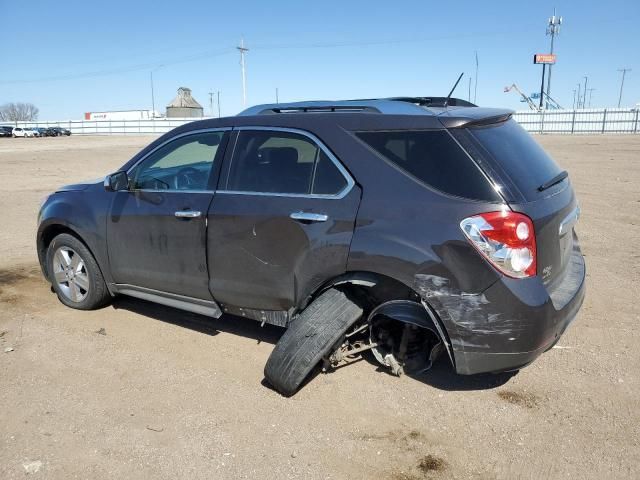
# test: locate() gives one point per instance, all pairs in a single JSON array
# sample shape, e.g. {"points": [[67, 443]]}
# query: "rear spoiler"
{"points": [[473, 117]]}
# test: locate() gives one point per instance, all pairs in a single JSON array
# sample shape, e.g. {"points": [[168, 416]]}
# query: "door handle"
{"points": [[188, 214], [309, 217]]}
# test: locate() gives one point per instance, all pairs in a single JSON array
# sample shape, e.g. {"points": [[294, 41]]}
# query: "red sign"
{"points": [[544, 58]]}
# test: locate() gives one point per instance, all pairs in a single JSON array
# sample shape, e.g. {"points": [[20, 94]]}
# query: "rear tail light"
{"points": [[506, 239]]}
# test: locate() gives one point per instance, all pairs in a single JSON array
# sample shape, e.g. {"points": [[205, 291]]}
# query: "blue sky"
{"points": [[69, 57]]}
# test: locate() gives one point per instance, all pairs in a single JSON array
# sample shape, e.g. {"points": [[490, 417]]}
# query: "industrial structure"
{"points": [[184, 105]]}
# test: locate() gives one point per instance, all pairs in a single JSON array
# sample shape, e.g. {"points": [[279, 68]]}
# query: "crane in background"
{"points": [[551, 103], [525, 98]]}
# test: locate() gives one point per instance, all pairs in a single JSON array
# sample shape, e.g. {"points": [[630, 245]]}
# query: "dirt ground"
{"points": [[141, 391]]}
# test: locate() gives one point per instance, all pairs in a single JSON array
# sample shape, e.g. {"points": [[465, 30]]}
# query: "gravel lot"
{"points": [[142, 391]]}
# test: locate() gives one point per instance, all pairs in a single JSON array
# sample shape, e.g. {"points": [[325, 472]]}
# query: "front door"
{"points": [[156, 231], [281, 222]]}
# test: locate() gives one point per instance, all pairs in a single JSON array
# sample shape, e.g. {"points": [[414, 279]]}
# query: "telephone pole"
{"points": [[242, 51], [578, 104], [218, 103], [553, 29], [590, 94], [211, 102], [624, 72]]}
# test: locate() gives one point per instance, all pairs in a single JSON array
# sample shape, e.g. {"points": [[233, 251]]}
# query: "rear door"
{"points": [[282, 219]]}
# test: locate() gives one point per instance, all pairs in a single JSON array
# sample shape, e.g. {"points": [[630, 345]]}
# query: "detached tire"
{"points": [[310, 337], [75, 275]]}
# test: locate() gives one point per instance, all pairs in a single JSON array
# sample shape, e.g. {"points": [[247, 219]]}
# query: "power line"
{"points": [[127, 69]]}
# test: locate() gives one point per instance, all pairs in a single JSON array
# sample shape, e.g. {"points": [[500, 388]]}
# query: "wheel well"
{"points": [[47, 236], [371, 290]]}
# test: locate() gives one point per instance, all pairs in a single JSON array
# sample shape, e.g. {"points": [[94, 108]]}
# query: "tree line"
{"points": [[18, 112]]}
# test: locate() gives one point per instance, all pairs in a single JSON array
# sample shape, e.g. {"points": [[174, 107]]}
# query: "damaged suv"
{"points": [[407, 227]]}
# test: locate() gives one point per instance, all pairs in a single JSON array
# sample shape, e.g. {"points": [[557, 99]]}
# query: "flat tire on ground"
{"points": [[309, 338]]}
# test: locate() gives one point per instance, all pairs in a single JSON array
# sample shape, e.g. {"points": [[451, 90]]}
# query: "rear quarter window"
{"points": [[434, 158]]}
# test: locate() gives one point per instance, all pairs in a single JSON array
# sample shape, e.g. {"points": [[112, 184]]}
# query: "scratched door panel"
{"points": [[150, 247]]}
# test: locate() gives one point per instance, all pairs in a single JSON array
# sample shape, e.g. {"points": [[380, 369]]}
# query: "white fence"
{"points": [[608, 120]]}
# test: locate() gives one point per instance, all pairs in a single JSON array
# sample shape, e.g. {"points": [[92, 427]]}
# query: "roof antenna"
{"points": [[446, 102]]}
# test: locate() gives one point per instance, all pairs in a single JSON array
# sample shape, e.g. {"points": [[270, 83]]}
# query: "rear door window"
{"points": [[433, 158], [282, 163]]}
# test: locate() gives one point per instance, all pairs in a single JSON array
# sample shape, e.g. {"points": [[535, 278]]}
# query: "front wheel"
{"points": [[75, 275]]}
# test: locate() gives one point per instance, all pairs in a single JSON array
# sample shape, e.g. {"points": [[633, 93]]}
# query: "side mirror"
{"points": [[116, 182]]}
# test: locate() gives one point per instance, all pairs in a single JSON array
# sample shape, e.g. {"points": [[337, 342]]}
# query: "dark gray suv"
{"points": [[406, 227]]}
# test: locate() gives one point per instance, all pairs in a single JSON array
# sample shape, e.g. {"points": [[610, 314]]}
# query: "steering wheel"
{"points": [[185, 179]]}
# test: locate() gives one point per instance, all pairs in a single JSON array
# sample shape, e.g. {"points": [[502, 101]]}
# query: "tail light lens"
{"points": [[506, 239]]}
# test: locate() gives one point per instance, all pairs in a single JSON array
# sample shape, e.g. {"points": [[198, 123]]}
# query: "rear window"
{"points": [[434, 158], [516, 153]]}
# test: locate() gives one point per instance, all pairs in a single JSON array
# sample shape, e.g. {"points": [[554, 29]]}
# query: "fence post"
{"points": [[573, 122], [604, 120], [635, 126], [542, 121]]}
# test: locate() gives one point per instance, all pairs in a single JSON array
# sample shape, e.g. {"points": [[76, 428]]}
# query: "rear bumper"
{"points": [[511, 323]]}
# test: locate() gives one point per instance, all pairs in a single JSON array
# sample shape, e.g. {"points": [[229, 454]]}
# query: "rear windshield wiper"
{"points": [[557, 179]]}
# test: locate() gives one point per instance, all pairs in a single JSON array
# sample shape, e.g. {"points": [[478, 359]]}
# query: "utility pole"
{"points": [[624, 72], [574, 99], [242, 51], [584, 92], [211, 102], [553, 29], [590, 93], [153, 100], [475, 88], [544, 65], [578, 104], [218, 103]]}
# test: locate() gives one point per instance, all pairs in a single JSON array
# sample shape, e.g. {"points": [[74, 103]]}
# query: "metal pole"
{"points": [[211, 103], [590, 95], [553, 29], [578, 105], [153, 100], [573, 121], [475, 90], [218, 103], [604, 120], [584, 92], [243, 50], [624, 72], [574, 98], [542, 85]]}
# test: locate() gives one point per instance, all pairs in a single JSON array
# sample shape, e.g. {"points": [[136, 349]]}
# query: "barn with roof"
{"points": [[184, 105]]}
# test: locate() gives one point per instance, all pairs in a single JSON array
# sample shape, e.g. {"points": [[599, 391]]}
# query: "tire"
{"points": [[85, 288], [313, 335]]}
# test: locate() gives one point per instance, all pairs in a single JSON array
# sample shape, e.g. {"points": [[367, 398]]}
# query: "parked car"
{"points": [[22, 132], [5, 131], [58, 131], [42, 132], [406, 227]]}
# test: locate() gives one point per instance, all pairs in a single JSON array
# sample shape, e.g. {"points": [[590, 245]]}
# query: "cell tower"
{"points": [[553, 29]]}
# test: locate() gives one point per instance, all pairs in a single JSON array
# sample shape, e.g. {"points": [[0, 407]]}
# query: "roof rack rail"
{"points": [[390, 106]]}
